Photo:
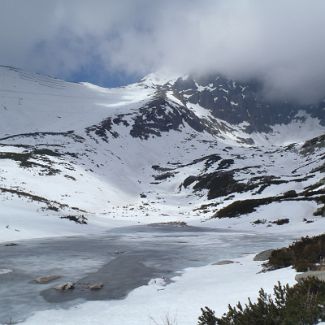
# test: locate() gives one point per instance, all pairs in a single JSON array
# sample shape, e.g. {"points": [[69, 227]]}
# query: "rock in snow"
{"points": [[65, 286], [47, 279]]}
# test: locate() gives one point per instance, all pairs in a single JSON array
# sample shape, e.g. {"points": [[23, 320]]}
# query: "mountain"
{"points": [[77, 157]]}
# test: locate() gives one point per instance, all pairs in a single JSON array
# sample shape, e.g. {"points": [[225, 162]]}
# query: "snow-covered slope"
{"points": [[159, 150]]}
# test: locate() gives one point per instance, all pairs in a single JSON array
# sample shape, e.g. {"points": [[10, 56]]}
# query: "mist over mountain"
{"points": [[279, 43]]}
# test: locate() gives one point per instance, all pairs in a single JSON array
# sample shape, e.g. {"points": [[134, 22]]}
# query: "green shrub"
{"points": [[281, 222], [208, 317], [302, 304], [259, 222], [302, 254]]}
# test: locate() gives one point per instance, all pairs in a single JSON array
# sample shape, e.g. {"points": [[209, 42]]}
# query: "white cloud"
{"points": [[280, 41]]}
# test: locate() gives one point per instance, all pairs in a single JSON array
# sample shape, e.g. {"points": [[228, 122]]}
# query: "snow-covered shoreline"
{"points": [[200, 285], [215, 286]]}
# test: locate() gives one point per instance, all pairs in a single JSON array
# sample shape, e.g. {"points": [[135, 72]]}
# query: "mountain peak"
{"points": [[159, 78]]}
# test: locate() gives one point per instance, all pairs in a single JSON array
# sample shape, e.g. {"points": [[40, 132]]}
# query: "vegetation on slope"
{"points": [[302, 255], [302, 304]]}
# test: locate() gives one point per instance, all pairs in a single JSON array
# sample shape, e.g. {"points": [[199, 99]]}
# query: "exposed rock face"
{"points": [[224, 100], [82, 220], [239, 101]]}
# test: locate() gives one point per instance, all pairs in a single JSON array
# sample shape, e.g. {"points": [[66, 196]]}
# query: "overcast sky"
{"points": [[114, 41]]}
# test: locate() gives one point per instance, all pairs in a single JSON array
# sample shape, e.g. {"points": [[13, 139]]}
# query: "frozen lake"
{"points": [[122, 259]]}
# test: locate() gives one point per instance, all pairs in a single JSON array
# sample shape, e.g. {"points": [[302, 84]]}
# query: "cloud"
{"points": [[281, 42]]}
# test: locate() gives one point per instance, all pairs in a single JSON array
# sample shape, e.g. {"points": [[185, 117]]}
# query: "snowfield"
{"points": [[78, 160], [112, 154]]}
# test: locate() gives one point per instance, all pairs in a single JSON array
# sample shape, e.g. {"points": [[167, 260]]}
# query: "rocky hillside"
{"points": [[188, 149]]}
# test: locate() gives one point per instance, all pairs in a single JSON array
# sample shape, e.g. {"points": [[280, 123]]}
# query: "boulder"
{"points": [[320, 275], [46, 279], [11, 244], [263, 256], [95, 286], [65, 286], [225, 262]]}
